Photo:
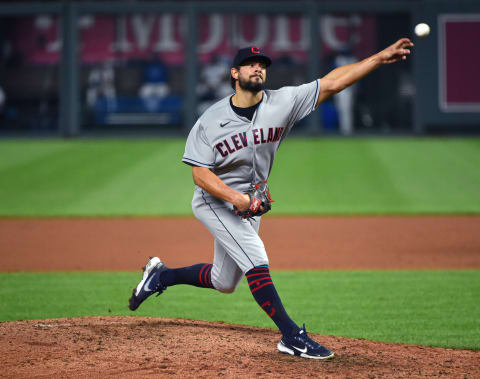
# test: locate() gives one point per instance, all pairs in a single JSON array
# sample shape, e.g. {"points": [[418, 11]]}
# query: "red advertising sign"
{"points": [[459, 62], [141, 36]]}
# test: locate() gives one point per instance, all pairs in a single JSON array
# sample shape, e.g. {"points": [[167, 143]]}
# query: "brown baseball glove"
{"points": [[260, 202]]}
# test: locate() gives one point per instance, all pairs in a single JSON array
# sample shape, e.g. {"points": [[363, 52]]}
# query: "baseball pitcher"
{"points": [[231, 149]]}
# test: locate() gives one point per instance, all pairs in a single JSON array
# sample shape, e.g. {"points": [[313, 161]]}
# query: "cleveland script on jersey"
{"points": [[239, 151]]}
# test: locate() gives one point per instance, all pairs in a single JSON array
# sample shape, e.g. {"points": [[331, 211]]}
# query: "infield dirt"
{"points": [[155, 347]]}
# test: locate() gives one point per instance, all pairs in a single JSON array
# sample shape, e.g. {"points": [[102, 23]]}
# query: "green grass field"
{"points": [[316, 176], [434, 308], [109, 178]]}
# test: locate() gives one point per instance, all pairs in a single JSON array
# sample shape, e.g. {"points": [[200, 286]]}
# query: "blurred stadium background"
{"points": [[151, 67]]}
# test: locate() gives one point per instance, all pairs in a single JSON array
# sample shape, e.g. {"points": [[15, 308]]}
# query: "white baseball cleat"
{"points": [[303, 346], [149, 284]]}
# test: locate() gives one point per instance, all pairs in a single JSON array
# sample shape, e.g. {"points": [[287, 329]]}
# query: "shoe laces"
{"points": [[305, 338], [160, 288]]}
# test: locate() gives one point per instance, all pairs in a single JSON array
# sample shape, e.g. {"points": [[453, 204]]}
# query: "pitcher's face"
{"points": [[251, 76]]}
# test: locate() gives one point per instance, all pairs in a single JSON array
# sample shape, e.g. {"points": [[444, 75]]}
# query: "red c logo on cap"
{"points": [[255, 50]]}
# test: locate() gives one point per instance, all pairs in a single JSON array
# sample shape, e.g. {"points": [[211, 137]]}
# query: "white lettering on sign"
{"points": [[166, 34], [121, 43], [142, 27], [215, 34], [260, 37], [45, 22], [328, 30], [282, 34]]}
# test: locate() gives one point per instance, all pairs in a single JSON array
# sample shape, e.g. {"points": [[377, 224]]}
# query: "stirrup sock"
{"points": [[264, 292], [199, 275]]}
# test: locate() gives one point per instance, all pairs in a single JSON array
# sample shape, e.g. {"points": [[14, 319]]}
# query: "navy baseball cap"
{"points": [[251, 52]]}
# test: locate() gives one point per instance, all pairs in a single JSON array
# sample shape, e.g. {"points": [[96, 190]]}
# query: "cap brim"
{"points": [[258, 58]]}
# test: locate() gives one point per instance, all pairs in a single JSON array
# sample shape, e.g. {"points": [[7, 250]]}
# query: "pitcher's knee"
{"points": [[225, 287]]}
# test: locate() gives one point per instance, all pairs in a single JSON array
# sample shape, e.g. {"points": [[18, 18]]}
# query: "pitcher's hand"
{"points": [[396, 52]]}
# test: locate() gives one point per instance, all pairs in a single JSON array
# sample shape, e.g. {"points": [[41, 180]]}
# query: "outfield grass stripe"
{"points": [[334, 176], [91, 178], [379, 176], [151, 180], [16, 153], [447, 172], [310, 176], [437, 308]]}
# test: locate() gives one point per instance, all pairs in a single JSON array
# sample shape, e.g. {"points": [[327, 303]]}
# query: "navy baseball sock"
{"points": [[264, 292], [199, 275]]}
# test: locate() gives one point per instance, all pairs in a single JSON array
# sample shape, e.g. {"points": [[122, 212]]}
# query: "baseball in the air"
{"points": [[422, 30]]}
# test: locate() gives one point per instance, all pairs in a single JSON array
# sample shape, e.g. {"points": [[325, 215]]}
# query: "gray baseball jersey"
{"points": [[241, 152]]}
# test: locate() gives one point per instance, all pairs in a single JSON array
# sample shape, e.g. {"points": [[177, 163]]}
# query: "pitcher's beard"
{"points": [[248, 85]]}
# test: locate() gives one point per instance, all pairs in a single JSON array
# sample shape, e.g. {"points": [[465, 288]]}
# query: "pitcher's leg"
{"points": [[237, 241], [238, 237], [198, 275], [226, 274], [238, 248]]}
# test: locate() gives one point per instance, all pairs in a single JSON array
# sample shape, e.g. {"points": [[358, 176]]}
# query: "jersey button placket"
{"points": [[254, 162]]}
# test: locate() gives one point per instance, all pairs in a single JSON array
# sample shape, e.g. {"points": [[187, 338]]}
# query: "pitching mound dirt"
{"points": [[149, 347]]}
